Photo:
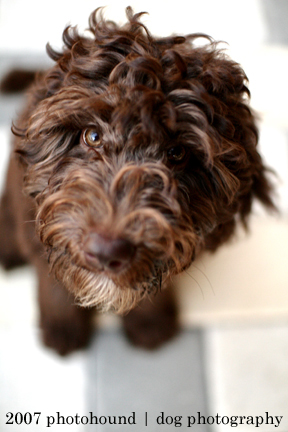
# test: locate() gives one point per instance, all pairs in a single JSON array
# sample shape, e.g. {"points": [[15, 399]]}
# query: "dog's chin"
{"points": [[107, 291], [99, 290]]}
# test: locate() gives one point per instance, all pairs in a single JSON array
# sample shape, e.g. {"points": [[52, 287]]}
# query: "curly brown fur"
{"points": [[138, 145]]}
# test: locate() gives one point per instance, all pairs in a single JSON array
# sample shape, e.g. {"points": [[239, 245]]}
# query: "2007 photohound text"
{"points": [[178, 421]]}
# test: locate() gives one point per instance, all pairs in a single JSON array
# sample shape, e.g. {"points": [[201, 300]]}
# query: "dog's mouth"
{"points": [[127, 265], [111, 273], [112, 286]]}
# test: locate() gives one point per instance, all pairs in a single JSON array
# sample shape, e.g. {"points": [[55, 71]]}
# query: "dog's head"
{"points": [[139, 152]]}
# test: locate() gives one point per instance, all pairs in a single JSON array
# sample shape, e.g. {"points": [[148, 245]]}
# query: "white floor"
{"points": [[249, 374]]}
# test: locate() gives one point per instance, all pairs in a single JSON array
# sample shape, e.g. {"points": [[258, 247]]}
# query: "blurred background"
{"points": [[232, 356]]}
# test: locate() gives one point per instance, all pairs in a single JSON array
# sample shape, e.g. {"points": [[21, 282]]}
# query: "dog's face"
{"points": [[139, 152]]}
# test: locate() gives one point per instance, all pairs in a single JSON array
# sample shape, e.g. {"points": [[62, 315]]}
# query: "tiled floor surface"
{"points": [[232, 358]]}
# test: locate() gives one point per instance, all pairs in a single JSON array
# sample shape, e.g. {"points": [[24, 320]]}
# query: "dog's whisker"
{"points": [[197, 283], [205, 276]]}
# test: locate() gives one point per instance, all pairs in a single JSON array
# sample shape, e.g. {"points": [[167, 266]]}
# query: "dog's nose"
{"points": [[112, 253]]}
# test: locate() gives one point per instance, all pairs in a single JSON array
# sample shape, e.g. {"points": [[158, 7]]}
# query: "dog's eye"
{"points": [[91, 137], [176, 154]]}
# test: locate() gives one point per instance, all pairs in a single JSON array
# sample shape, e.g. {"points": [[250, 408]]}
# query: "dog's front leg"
{"points": [[65, 326], [154, 321]]}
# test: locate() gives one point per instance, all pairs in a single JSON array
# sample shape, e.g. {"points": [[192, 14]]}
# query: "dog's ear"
{"points": [[236, 124], [232, 172]]}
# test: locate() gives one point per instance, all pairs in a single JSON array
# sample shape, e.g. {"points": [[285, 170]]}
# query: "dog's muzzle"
{"points": [[112, 231]]}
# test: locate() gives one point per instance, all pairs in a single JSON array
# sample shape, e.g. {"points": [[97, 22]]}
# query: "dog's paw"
{"points": [[150, 325], [65, 337], [150, 333]]}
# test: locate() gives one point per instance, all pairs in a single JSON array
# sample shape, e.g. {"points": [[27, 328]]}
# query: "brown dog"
{"points": [[136, 153]]}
